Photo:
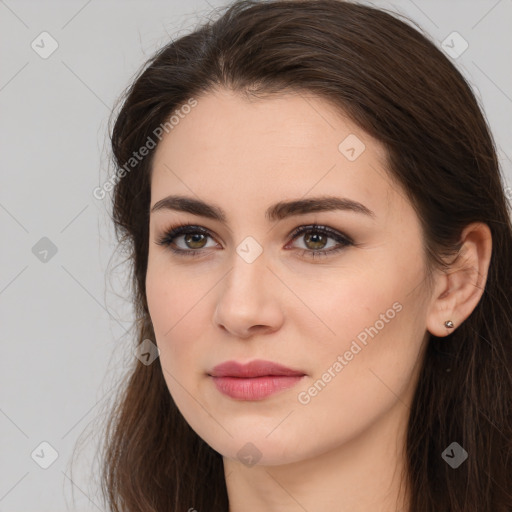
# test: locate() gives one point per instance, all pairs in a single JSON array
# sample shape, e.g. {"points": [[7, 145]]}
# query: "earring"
{"points": [[449, 324]]}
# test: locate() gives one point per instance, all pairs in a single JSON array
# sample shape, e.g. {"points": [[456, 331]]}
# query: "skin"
{"points": [[343, 450]]}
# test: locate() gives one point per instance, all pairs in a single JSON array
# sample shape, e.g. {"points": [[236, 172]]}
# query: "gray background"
{"points": [[64, 316]]}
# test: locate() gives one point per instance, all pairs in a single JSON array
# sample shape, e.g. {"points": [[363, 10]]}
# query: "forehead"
{"points": [[226, 123], [254, 152]]}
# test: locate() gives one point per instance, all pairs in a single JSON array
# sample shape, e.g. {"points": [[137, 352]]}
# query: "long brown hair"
{"points": [[394, 83]]}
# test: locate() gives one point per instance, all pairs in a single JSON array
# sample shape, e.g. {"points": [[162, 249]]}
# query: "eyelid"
{"points": [[331, 232], [177, 230]]}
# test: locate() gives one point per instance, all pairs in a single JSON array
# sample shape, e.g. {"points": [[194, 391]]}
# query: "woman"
{"points": [[321, 251]]}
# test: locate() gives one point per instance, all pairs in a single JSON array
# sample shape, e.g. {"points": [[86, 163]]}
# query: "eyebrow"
{"points": [[276, 212]]}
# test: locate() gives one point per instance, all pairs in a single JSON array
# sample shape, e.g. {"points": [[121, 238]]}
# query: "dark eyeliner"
{"points": [[342, 239], [166, 240], [174, 231]]}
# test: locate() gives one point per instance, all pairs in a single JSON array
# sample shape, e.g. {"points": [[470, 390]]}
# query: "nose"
{"points": [[249, 299]]}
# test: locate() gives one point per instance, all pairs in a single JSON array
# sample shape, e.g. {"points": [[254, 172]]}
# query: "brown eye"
{"points": [[195, 241], [315, 240]]}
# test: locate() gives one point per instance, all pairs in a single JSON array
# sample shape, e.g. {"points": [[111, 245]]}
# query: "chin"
{"points": [[251, 450]]}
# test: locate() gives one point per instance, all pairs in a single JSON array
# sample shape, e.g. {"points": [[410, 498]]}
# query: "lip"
{"points": [[256, 368], [255, 380]]}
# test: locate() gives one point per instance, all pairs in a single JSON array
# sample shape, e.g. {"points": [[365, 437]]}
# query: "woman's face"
{"points": [[347, 317]]}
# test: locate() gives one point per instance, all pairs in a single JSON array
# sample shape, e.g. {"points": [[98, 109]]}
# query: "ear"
{"points": [[458, 290]]}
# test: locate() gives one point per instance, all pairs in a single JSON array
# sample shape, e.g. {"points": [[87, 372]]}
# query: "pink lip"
{"points": [[255, 380]]}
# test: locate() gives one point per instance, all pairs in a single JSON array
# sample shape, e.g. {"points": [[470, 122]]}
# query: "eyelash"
{"points": [[173, 232]]}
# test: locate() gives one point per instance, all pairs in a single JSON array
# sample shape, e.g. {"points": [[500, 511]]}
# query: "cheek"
{"points": [[176, 301], [342, 309], [360, 375], [368, 336], [172, 293]]}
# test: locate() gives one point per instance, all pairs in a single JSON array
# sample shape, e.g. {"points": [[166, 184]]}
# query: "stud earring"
{"points": [[449, 324]]}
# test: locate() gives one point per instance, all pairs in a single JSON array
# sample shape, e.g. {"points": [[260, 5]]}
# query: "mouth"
{"points": [[255, 380]]}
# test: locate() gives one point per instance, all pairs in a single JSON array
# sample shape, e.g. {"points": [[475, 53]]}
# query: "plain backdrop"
{"points": [[64, 305]]}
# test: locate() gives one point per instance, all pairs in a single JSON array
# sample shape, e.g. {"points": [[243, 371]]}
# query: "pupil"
{"points": [[316, 240], [194, 238]]}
